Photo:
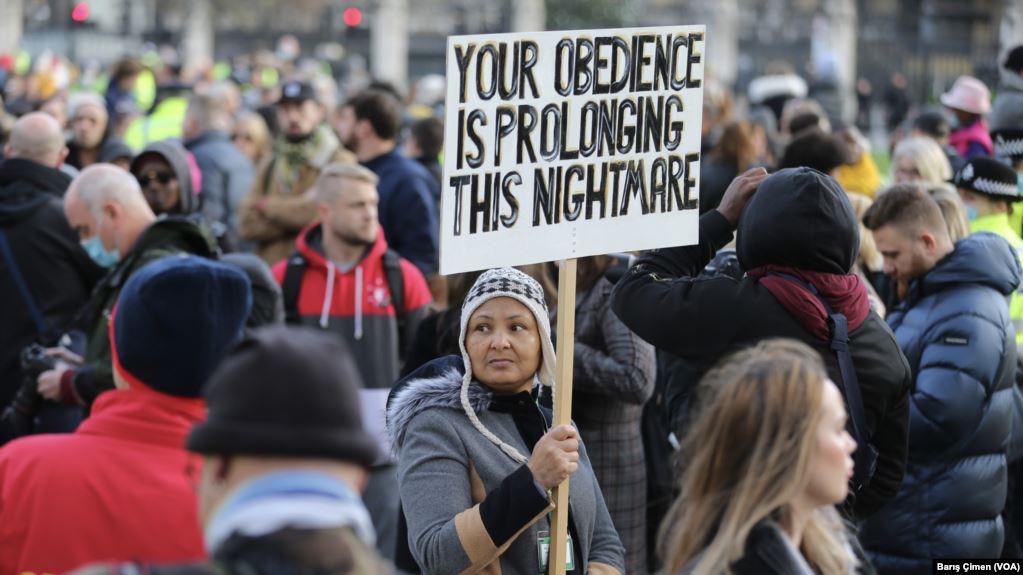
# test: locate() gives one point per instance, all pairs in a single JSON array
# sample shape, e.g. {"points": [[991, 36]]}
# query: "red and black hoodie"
{"points": [[356, 304]]}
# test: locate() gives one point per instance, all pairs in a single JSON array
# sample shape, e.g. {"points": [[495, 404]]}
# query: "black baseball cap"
{"points": [[296, 91]]}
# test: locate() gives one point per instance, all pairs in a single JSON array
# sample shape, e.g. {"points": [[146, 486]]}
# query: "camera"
{"points": [[35, 361], [18, 418]]}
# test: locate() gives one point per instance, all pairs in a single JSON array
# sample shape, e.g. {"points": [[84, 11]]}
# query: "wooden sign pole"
{"points": [[563, 408]]}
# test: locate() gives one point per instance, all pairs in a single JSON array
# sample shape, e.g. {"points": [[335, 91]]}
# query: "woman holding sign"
{"points": [[767, 460], [477, 457]]}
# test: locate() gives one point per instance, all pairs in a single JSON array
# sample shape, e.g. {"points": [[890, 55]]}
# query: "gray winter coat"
{"points": [[1007, 111], [470, 508], [227, 177]]}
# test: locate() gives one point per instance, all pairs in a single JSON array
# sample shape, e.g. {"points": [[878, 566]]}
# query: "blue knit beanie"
{"points": [[175, 319]]}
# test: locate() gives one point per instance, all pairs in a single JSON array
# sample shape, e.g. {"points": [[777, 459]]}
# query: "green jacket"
{"points": [[999, 224], [164, 237]]}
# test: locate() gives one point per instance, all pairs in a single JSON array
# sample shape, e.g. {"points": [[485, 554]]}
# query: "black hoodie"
{"points": [[799, 218], [57, 272]]}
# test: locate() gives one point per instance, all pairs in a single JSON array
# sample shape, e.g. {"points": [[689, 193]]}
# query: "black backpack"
{"points": [[865, 456], [295, 272]]}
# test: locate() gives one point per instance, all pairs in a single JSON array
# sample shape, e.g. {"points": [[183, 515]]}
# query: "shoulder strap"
{"points": [[396, 283], [865, 456], [19, 281], [292, 285]]}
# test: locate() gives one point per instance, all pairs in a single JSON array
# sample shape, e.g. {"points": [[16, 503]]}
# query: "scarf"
{"points": [[975, 132], [296, 499], [316, 151], [845, 293]]}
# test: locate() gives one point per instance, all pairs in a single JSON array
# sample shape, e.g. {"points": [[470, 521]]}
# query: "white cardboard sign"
{"points": [[568, 144]]}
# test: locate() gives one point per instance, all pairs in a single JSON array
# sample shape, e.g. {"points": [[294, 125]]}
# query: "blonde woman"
{"points": [[952, 209], [920, 159], [766, 461], [869, 264], [252, 137]]}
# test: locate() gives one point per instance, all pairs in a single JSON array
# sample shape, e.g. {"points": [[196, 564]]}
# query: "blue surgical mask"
{"points": [[99, 254], [971, 212], [953, 121], [1019, 182]]}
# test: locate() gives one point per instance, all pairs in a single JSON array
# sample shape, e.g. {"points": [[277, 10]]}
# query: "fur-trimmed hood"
{"points": [[435, 384]]}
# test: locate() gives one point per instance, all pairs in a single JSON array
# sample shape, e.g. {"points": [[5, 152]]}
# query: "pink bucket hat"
{"points": [[969, 95]]}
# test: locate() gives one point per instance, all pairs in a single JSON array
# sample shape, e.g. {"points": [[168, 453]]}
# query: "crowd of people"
{"points": [[227, 347]]}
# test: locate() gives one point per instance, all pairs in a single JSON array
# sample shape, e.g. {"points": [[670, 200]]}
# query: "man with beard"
{"points": [[344, 279], [280, 203], [956, 330], [369, 125]]}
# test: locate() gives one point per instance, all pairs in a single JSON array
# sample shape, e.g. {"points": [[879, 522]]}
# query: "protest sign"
{"points": [[560, 145], [567, 144]]}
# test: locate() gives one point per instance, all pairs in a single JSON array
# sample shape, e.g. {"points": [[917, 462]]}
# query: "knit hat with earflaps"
{"points": [[506, 282]]}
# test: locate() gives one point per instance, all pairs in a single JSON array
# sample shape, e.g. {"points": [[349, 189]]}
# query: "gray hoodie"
{"points": [[176, 155], [1007, 111]]}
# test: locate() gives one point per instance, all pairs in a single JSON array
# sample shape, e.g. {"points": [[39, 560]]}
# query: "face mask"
{"points": [[971, 212], [99, 254], [953, 122]]}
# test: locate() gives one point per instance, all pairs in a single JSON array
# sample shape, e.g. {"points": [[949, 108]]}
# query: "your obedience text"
{"points": [[618, 97]]}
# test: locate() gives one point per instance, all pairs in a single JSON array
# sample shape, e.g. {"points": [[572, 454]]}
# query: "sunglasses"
{"points": [[163, 177]]}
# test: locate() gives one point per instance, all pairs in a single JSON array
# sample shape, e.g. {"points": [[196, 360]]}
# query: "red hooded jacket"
{"points": [[356, 304], [120, 488]]}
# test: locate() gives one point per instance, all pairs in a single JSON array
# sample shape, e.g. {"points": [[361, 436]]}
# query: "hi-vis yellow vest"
{"points": [[166, 121], [999, 224]]}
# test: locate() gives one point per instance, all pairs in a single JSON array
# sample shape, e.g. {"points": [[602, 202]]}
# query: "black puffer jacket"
{"points": [[56, 270], [798, 218]]}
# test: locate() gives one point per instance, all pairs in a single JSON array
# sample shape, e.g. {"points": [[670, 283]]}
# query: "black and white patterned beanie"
{"points": [[506, 282]]}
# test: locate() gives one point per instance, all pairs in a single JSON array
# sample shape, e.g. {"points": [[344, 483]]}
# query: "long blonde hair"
{"points": [[748, 457], [952, 210], [927, 157], [259, 132], [870, 257]]}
